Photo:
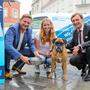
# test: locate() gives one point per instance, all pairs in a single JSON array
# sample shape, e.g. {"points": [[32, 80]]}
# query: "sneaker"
{"points": [[18, 70], [48, 71], [37, 71], [47, 66], [8, 75], [87, 78]]}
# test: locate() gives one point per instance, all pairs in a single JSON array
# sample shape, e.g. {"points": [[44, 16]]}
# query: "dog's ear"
{"points": [[53, 41], [65, 41]]}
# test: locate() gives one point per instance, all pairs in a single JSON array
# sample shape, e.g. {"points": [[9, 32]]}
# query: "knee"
{"points": [[36, 61], [74, 60], [71, 61], [49, 60]]}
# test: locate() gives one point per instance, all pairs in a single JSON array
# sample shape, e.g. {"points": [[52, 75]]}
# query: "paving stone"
{"points": [[31, 81]]}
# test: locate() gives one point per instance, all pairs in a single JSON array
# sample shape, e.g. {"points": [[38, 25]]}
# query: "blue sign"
{"points": [[1, 44]]}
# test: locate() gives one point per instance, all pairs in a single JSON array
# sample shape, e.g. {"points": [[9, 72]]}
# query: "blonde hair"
{"points": [[51, 35], [26, 16]]}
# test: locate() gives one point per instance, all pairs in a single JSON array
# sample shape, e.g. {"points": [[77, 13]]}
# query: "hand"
{"points": [[25, 59], [75, 50], [48, 53], [36, 53]]}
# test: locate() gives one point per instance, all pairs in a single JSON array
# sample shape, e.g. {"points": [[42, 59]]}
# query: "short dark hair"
{"points": [[81, 16], [25, 16]]}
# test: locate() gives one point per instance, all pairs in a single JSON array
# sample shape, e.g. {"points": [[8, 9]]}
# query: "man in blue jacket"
{"points": [[17, 37]]}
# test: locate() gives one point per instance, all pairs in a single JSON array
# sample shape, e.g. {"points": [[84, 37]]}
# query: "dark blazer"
{"points": [[86, 37], [12, 37]]}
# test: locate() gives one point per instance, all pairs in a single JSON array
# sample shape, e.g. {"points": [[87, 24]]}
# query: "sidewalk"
{"points": [[30, 81]]}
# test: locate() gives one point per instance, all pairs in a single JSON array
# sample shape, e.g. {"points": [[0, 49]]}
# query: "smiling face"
{"points": [[77, 21], [47, 32], [24, 23], [46, 26]]}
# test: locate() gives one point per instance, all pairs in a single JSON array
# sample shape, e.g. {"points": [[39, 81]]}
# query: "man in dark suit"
{"points": [[80, 45]]}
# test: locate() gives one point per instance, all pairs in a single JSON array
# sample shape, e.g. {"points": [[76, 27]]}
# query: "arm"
{"points": [[9, 40], [87, 43], [36, 42], [71, 44]]}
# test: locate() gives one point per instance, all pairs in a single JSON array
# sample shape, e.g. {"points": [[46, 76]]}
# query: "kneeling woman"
{"points": [[43, 40]]}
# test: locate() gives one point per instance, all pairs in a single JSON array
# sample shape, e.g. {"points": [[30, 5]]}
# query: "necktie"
{"points": [[80, 37]]}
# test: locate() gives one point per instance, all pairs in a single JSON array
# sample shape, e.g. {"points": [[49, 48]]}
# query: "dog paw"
{"points": [[49, 76]]}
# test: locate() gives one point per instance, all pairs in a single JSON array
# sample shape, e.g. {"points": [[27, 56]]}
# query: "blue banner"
{"points": [[67, 32], [1, 44], [1, 12]]}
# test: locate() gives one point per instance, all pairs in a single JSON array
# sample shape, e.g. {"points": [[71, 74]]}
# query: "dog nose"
{"points": [[58, 49]]}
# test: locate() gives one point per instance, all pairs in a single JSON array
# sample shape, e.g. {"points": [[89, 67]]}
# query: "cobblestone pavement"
{"points": [[31, 81]]}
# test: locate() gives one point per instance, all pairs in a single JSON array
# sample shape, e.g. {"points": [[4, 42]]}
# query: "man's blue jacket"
{"points": [[12, 39]]}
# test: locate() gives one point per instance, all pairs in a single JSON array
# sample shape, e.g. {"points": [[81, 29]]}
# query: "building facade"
{"points": [[36, 6], [83, 6], [11, 12], [64, 6]]}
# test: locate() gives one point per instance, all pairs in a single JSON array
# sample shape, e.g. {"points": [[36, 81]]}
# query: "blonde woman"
{"points": [[43, 41]]}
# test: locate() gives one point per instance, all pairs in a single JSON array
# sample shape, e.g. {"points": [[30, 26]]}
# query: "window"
{"points": [[15, 13], [83, 1], [5, 12]]}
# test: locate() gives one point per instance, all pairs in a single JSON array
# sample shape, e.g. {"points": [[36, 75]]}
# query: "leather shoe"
{"points": [[87, 78], [84, 70], [37, 72]]}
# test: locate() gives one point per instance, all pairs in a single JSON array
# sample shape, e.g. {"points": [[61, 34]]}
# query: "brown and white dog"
{"points": [[58, 54]]}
